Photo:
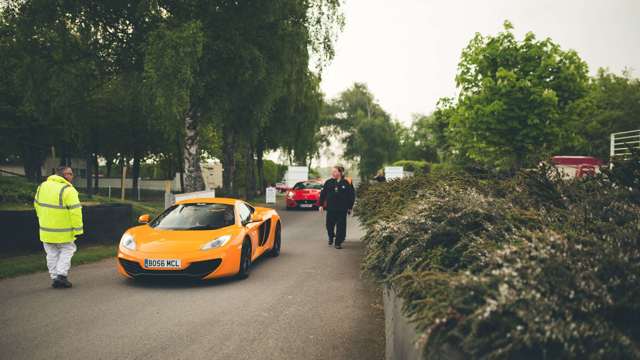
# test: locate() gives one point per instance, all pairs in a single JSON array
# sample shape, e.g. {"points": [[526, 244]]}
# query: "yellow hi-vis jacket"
{"points": [[59, 211]]}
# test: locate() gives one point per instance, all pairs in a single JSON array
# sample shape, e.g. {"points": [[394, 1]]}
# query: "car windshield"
{"points": [[307, 185], [200, 216]]}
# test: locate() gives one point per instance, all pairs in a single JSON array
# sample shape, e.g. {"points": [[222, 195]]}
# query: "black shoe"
{"points": [[338, 246], [330, 242], [61, 282]]}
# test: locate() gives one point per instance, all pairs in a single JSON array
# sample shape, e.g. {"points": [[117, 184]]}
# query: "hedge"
{"points": [[416, 166], [527, 267], [15, 189]]}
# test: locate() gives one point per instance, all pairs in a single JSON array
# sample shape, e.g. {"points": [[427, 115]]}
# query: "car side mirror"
{"points": [[144, 219], [255, 217]]}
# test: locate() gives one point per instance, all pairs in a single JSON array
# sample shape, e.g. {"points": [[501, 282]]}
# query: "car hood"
{"points": [[151, 240]]}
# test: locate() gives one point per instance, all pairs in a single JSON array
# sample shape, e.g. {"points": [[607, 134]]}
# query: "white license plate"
{"points": [[162, 263], [306, 205]]}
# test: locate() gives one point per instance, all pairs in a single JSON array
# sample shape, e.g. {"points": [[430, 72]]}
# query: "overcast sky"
{"points": [[407, 51]]}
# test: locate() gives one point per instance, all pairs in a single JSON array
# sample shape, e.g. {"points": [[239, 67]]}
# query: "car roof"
{"points": [[216, 200]]}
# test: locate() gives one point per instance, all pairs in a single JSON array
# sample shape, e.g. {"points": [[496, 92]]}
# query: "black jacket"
{"points": [[337, 195]]}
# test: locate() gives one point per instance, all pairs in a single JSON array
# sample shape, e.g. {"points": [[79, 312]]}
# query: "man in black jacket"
{"points": [[337, 197]]}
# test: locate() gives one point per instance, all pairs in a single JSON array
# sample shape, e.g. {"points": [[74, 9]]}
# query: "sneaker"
{"points": [[338, 246], [61, 282]]}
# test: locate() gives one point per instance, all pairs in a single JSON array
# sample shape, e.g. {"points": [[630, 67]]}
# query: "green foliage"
{"points": [[371, 137], [528, 267], [516, 97], [612, 105], [171, 64], [416, 166], [273, 172], [14, 189], [26, 264], [419, 141]]}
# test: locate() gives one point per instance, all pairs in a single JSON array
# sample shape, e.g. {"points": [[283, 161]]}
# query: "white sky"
{"points": [[407, 51]]}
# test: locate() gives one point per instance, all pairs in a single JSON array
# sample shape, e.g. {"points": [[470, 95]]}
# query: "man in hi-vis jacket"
{"points": [[60, 219], [337, 197]]}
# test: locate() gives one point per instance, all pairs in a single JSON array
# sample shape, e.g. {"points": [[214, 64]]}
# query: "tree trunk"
{"points": [[109, 165], [192, 173], [135, 173], [260, 166], [33, 158], [87, 175], [250, 180], [228, 161], [96, 168]]}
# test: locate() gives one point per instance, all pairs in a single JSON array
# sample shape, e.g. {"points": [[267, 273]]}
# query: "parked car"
{"points": [[304, 194]]}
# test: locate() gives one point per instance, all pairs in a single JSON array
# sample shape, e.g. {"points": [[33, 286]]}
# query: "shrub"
{"points": [[15, 189], [416, 166], [528, 267]]}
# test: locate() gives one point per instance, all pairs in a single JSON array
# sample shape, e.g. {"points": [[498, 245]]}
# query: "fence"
{"points": [[623, 142]]}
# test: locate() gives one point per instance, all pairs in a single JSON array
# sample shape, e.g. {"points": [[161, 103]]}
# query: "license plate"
{"points": [[306, 205], [162, 263]]}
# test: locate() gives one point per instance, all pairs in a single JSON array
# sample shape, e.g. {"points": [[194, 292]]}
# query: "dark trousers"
{"points": [[337, 225]]}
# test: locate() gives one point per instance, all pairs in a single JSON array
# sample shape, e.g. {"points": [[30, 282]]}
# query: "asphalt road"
{"points": [[309, 303]]}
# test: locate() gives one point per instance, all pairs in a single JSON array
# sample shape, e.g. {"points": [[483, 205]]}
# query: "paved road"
{"points": [[309, 303]]}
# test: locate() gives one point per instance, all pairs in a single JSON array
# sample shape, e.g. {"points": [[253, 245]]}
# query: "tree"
{"points": [[613, 105], [371, 137], [516, 99], [417, 141]]}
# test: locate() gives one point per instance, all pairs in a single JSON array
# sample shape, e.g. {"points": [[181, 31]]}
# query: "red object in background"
{"points": [[584, 165], [585, 170], [304, 194], [576, 160]]}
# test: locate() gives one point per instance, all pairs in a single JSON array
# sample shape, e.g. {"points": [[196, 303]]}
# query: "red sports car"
{"points": [[304, 194]]}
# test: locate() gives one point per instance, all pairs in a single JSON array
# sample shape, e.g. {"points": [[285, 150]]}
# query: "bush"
{"points": [[416, 166], [528, 267], [14, 189]]}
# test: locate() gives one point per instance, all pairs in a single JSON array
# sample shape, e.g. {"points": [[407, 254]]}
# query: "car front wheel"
{"points": [[277, 242], [245, 260]]}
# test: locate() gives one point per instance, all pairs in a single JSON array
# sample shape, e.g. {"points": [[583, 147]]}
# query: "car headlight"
{"points": [[216, 243], [127, 242], [290, 194]]}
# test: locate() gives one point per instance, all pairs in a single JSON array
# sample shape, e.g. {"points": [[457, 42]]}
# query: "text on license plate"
{"points": [[162, 263], [306, 205]]}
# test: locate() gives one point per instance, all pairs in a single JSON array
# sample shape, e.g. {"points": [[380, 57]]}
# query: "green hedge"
{"points": [[14, 189], [529, 267], [416, 166]]}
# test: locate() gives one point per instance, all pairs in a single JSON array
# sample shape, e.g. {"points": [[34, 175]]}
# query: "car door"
{"points": [[252, 228]]}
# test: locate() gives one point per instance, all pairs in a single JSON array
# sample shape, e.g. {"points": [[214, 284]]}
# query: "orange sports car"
{"points": [[201, 238]]}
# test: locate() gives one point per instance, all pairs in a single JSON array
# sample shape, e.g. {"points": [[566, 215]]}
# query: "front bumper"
{"points": [[197, 269], [292, 203], [200, 265]]}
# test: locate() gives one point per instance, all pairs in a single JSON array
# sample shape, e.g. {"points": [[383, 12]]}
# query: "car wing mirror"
{"points": [[144, 219]]}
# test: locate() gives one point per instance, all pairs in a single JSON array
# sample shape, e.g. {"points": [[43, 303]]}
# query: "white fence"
{"points": [[104, 183], [623, 142]]}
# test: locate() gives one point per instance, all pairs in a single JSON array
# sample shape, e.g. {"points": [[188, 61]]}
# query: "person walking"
{"points": [[337, 198], [60, 220]]}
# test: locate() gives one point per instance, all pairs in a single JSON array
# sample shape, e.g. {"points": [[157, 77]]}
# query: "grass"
{"points": [[27, 264]]}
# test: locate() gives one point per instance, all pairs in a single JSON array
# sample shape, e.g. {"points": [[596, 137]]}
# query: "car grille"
{"points": [[197, 269], [313, 202]]}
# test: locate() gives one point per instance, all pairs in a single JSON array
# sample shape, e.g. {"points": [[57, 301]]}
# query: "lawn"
{"points": [[27, 264]]}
